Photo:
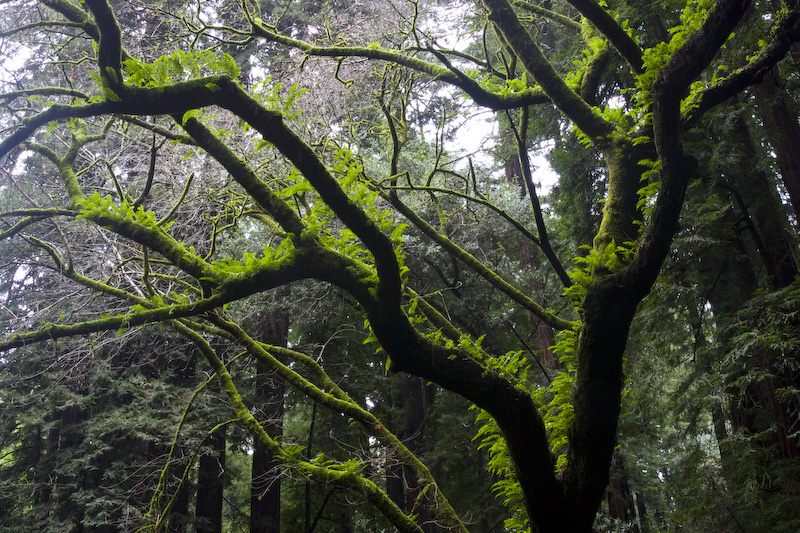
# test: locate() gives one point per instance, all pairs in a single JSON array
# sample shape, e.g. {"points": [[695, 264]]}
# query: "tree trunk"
{"points": [[763, 216], [210, 483], [759, 202], [621, 504], [782, 130], [543, 337], [265, 490], [411, 397]]}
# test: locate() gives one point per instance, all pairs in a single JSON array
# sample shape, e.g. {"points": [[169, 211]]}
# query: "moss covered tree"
{"points": [[316, 205]]}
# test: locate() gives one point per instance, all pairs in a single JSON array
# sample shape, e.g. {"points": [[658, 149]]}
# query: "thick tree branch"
{"points": [[784, 33], [611, 300], [556, 89], [272, 128], [244, 176], [336, 400], [76, 15], [109, 59], [691, 59], [502, 213], [112, 323], [44, 91], [176, 98], [611, 29], [548, 14]]}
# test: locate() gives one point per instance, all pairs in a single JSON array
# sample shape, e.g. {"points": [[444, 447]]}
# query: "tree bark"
{"points": [[210, 484], [265, 490], [783, 132], [411, 398], [760, 204]]}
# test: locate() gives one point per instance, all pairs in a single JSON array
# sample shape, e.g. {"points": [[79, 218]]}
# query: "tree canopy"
{"points": [[275, 195]]}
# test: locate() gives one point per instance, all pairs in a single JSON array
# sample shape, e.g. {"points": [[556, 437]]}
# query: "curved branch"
{"points": [[347, 478], [44, 91], [525, 165], [167, 134], [40, 212], [479, 268], [76, 15], [611, 29], [109, 58], [480, 96], [272, 128], [21, 225], [594, 70], [525, 232], [548, 14], [176, 98], [138, 318], [244, 176], [689, 61], [337, 400], [784, 33], [556, 89]]}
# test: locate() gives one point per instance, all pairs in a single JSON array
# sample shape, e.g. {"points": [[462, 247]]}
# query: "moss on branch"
{"points": [[548, 14], [346, 476], [245, 176], [44, 91], [479, 268], [479, 95], [338, 401], [111, 323], [587, 119], [611, 29], [76, 15], [109, 59], [785, 31], [176, 98]]}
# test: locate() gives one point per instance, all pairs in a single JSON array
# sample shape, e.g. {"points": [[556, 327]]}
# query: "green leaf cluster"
{"points": [[321, 222], [96, 205], [501, 466], [656, 57], [611, 259], [251, 262], [271, 96], [556, 399], [180, 66]]}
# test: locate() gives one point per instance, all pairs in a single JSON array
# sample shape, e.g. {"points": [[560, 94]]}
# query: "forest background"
{"points": [[254, 278]]}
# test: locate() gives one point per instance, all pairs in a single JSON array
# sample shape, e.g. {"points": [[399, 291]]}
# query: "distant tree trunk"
{"points": [[766, 221], [621, 503], [210, 483], [760, 204], [411, 398], [757, 409], [46, 463], [543, 338], [185, 373], [307, 488], [265, 490], [782, 130], [180, 511]]}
